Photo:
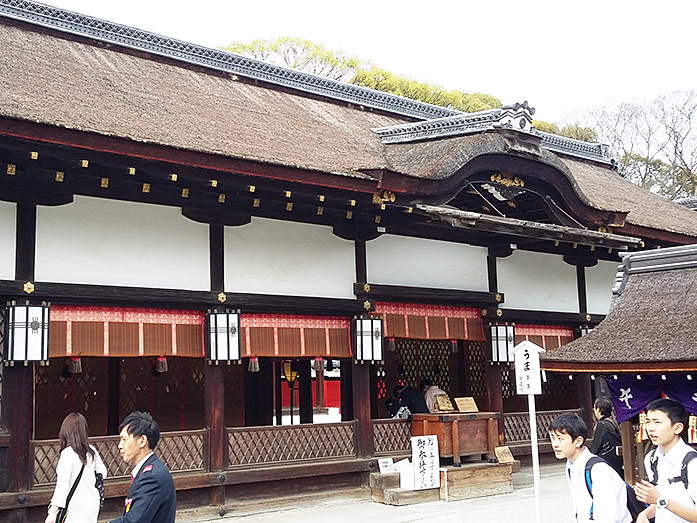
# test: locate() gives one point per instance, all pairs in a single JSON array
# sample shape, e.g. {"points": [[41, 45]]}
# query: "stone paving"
{"points": [[357, 506]]}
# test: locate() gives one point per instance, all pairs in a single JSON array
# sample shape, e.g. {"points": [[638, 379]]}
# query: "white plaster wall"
{"points": [[599, 282], [416, 262], [8, 227], [276, 257], [108, 242], [535, 281]]}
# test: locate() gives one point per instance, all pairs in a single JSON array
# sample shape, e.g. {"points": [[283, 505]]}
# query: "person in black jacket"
{"points": [[606, 437], [151, 498], [411, 398]]}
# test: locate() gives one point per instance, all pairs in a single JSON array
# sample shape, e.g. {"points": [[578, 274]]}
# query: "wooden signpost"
{"points": [[528, 381]]}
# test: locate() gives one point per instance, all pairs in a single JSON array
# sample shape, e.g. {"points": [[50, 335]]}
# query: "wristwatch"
{"points": [[662, 502]]}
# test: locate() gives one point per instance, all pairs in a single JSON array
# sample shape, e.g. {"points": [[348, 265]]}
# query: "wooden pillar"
{"points": [[305, 391], [365, 446], [258, 397], [346, 390], [17, 393], [494, 393], [17, 386], [214, 399], [113, 386], [584, 394], [319, 386], [628, 452], [277, 384]]}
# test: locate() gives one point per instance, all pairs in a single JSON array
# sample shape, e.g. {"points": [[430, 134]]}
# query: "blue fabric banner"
{"points": [[631, 392]]}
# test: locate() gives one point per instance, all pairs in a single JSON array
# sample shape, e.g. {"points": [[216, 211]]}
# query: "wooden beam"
{"points": [[571, 319], [82, 294], [378, 292], [610, 367]]}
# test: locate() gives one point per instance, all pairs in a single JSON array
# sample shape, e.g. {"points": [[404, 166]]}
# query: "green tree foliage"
{"points": [[545, 127], [304, 55], [579, 132], [316, 59]]}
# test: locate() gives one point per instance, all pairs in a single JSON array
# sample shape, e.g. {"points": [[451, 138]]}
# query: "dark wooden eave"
{"points": [[514, 227]]}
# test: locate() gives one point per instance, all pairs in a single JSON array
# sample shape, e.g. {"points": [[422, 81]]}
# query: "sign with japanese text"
{"points": [[527, 368], [424, 458]]}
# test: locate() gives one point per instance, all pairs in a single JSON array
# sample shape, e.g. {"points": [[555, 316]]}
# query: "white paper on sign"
{"points": [[425, 459]]}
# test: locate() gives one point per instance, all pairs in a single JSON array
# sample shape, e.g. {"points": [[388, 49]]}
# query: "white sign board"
{"points": [[424, 458], [386, 466], [527, 368]]}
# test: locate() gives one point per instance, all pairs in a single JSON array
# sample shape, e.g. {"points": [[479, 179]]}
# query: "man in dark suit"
{"points": [[151, 498]]}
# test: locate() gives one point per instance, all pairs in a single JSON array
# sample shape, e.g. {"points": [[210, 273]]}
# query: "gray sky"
{"points": [[560, 55]]}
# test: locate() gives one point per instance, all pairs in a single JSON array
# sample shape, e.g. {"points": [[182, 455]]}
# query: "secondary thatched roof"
{"points": [[651, 325]]}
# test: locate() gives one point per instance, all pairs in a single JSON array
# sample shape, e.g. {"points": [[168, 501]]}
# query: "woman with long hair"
{"points": [[78, 459]]}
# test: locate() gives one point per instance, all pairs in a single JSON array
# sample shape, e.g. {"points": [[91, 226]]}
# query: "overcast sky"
{"points": [[560, 55]]}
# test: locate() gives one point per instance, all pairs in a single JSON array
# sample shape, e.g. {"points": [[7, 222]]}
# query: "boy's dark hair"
{"points": [[141, 424], [604, 405], [425, 382], [671, 408], [570, 423]]}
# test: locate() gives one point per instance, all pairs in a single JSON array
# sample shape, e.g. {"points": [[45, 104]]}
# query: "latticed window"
{"points": [[425, 359], [476, 373]]}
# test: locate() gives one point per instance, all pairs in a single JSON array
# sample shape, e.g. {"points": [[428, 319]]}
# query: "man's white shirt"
{"points": [[136, 469], [669, 466], [609, 501]]}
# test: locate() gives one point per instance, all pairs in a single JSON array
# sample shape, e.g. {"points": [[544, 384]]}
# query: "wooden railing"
{"points": [[517, 425], [288, 444], [391, 436], [181, 451]]}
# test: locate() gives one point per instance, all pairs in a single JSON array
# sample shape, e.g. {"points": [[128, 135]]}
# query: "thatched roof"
{"points": [[156, 93], [651, 325]]}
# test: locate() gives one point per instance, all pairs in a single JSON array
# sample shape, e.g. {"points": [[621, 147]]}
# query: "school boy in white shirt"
{"points": [[608, 502], [671, 491]]}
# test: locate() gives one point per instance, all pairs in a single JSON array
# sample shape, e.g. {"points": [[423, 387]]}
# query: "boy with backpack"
{"points": [[671, 468], [598, 493]]}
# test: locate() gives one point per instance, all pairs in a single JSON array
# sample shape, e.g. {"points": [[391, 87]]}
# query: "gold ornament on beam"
{"points": [[174, 177], [146, 187], [507, 180], [221, 297], [185, 193], [84, 163], [11, 169], [60, 176], [105, 183], [221, 198], [28, 287], [367, 305], [132, 171], [34, 155]]}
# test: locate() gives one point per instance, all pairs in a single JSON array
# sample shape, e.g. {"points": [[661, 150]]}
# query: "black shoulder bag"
{"points": [[63, 513]]}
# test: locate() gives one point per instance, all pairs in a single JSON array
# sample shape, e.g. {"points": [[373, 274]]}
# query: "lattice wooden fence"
{"points": [[180, 451], [517, 424], [391, 435], [263, 445]]}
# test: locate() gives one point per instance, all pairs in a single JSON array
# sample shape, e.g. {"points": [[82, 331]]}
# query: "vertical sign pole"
{"points": [[535, 456]]}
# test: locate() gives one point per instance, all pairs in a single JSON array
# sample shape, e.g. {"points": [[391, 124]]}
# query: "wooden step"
{"points": [[475, 481], [400, 496], [383, 481]]}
